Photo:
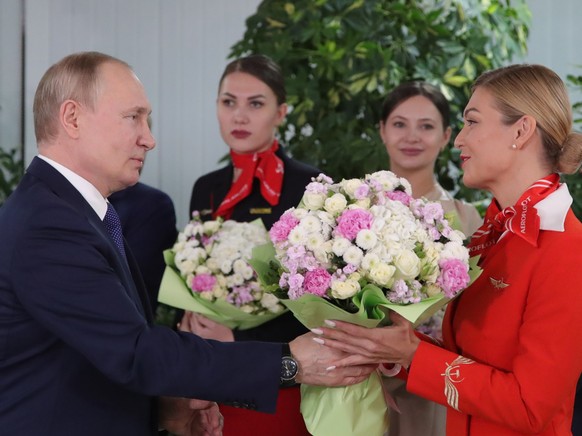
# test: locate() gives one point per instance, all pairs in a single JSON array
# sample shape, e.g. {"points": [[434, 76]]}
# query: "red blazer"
{"points": [[512, 350]]}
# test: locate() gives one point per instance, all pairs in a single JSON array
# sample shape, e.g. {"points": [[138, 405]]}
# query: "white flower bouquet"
{"points": [[350, 251], [208, 272]]}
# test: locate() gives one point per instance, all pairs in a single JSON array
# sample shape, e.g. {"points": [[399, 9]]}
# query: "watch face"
{"points": [[288, 368]]}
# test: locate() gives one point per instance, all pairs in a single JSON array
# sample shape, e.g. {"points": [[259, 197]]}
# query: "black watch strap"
{"points": [[289, 367], [286, 350]]}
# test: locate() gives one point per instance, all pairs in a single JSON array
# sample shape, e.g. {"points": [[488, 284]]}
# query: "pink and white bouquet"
{"points": [[208, 272], [351, 251]]}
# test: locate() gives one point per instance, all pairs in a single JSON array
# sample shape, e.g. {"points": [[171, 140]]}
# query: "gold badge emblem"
{"points": [[498, 284], [260, 210], [452, 377]]}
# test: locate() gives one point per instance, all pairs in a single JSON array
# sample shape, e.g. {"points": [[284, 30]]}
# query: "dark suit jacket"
{"points": [[577, 418], [148, 219], [209, 191], [78, 352]]}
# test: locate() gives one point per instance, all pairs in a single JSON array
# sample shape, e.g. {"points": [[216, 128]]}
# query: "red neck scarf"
{"points": [[265, 166], [521, 219]]}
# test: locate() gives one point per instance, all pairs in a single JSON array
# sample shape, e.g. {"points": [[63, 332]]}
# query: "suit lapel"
{"points": [[61, 186]]}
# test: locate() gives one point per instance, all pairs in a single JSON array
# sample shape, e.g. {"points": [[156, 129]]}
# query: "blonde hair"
{"points": [[75, 77], [537, 91]]}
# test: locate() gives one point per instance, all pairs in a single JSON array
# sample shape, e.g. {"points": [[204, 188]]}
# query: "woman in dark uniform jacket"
{"points": [[210, 189], [261, 181]]}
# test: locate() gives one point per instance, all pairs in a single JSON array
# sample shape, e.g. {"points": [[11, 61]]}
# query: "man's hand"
{"points": [[205, 328], [321, 365], [190, 417]]}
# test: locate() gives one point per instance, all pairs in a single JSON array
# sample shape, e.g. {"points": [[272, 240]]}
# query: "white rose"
{"points": [[344, 289], [210, 227], [335, 204], [382, 274], [350, 186], [313, 201], [432, 290], [455, 250], [363, 203], [407, 265]]}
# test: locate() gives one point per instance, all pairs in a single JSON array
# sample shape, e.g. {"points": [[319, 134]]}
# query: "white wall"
{"points": [[10, 74], [556, 37], [178, 48]]}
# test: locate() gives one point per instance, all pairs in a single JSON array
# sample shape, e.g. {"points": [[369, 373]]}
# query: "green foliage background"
{"points": [[574, 181], [11, 170], [341, 57]]}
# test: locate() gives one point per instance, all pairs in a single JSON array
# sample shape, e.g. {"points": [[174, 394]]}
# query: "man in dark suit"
{"points": [[148, 220], [79, 353]]}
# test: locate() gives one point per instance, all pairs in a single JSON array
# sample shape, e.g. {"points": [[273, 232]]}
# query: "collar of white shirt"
{"points": [[553, 209]]}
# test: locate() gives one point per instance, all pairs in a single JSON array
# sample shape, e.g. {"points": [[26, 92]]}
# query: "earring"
{"points": [[514, 147]]}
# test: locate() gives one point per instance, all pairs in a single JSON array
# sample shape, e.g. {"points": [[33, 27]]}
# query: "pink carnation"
{"points": [[352, 221], [454, 276], [281, 229], [317, 282], [203, 282]]}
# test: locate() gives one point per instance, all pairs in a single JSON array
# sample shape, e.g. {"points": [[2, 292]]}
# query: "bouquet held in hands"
{"points": [[350, 251], [208, 272]]}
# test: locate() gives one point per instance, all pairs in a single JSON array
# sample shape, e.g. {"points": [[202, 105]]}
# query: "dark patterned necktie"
{"points": [[113, 225]]}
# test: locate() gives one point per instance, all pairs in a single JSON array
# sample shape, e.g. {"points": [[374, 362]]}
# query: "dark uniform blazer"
{"points": [[209, 191], [79, 354]]}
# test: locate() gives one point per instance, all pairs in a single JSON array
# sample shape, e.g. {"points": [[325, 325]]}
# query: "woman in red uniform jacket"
{"points": [[511, 355], [261, 182]]}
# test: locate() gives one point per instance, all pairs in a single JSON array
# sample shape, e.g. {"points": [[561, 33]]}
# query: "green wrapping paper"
{"points": [[331, 411], [175, 293]]}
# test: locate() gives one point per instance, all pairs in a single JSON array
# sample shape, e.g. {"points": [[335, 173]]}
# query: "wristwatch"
{"points": [[289, 367]]}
